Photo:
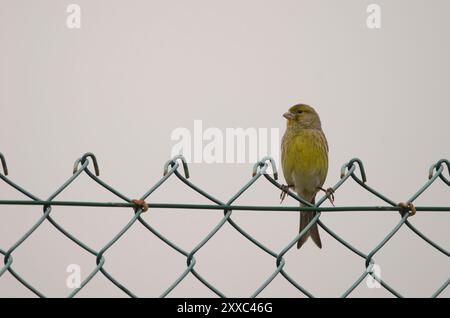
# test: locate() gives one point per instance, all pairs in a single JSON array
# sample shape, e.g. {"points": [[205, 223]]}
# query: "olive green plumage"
{"points": [[304, 158]]}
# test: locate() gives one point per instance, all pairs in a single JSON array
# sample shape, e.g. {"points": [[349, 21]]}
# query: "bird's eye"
{"points": [[299, 111]]}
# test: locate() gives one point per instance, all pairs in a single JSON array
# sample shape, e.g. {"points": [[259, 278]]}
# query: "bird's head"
{"points": [[302, 116]]}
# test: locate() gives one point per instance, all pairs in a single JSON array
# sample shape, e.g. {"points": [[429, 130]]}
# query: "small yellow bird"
{"points": [[304, 158]]}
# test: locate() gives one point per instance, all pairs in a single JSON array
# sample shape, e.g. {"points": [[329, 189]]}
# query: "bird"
{"points": [[304, 159]]}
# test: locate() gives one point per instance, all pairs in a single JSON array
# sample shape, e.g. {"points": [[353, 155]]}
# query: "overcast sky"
{"points": [[137, 70]]}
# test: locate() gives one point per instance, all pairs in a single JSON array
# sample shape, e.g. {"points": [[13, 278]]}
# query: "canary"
{"points": [[304, 159]]}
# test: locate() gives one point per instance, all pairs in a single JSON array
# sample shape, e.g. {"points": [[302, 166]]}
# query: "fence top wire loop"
{"points": [[350, 164], [406, 210], [83, 159], [173, 163], [436, 167], [262, 163]]}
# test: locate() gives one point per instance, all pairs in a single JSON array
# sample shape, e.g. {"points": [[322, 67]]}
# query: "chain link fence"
{"points": [[261, 169]]}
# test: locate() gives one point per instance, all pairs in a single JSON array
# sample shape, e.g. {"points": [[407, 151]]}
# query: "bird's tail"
{"points": [[313, 232]]}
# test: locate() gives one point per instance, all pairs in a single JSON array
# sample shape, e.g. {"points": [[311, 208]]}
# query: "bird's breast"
{"points": [[305, 159]]}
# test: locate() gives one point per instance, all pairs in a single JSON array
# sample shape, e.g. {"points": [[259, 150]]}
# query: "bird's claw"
{"points": [[329, 192], [284, 191]]}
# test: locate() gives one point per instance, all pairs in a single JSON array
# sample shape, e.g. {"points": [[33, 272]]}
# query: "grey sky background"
{"points": [[136, 70]]}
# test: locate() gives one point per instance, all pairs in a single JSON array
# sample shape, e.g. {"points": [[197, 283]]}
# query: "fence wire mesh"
{"points": [[261, 169]]}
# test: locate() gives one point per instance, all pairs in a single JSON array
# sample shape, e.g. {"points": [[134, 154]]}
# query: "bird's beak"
{"points": [[288, 115]]}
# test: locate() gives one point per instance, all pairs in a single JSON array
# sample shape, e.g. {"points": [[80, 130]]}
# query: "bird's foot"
{"points": [[329, 193], [284, 191]]}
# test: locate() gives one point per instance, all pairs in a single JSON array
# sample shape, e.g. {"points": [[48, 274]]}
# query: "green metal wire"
{"points": [[171, 169]]}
